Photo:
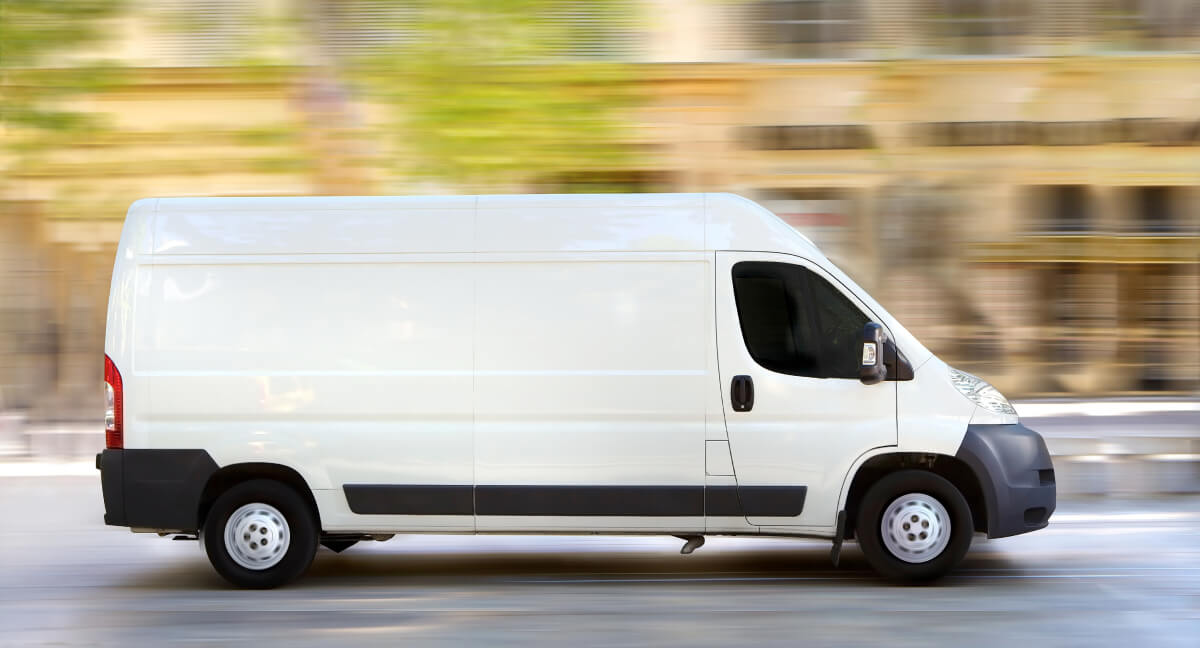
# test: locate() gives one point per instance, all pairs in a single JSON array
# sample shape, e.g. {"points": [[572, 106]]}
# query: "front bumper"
{"points": [[154, 489], [1015, 474]]}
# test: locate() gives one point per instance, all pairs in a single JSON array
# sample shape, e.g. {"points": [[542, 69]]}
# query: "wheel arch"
{"points": [[954, 470], [229, 476]]}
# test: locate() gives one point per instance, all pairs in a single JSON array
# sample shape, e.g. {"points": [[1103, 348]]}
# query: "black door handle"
{"points": [[741, 393]]}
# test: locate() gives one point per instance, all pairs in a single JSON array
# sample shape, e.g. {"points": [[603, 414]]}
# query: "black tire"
{"points": [[338, 546], [301, 525], [870, 534]]}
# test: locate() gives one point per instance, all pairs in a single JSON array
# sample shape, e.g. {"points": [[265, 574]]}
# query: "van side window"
{"points": [[794, 322]]}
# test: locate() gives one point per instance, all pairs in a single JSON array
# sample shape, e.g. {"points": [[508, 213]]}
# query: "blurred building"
{"points": [[1018, 181]]}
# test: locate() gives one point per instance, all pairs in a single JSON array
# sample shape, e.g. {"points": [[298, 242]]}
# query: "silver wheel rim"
{"points": [[257, 536], [915, 528]]}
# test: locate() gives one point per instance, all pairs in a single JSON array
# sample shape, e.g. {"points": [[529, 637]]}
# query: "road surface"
{"points": [[1104, 573]]}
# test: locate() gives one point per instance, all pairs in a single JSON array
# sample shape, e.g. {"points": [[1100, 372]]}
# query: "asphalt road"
{"points": [[1104, 573]]}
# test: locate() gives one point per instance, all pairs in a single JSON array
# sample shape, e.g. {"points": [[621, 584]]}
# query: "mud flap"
{"points": [[835, 554]]}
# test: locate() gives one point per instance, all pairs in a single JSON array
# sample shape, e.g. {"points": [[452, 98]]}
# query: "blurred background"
{"points": [[1018, 181]]}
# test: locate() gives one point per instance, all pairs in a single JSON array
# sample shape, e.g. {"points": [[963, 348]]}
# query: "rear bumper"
{"points": [[154, 489], [1015, 474]]}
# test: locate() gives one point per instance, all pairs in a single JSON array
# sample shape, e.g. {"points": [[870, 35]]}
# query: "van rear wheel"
{"points": [[260, 534], [914, 526]]}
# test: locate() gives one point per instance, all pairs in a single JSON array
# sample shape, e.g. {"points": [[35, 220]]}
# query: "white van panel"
{"points": [[625, 229], [735, 223], [347, 372], [615, 203], [591, 373], [370, 227], [345, 318], [128, 307], [125, 347], [932, 414], [718, 462]]}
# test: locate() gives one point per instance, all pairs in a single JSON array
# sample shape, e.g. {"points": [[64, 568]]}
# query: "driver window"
{"points": [[794, 322]]}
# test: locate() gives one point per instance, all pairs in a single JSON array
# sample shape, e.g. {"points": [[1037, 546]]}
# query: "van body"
{"points": [[288, 372]]}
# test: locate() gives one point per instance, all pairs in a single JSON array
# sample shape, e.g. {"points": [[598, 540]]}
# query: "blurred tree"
{"points": [[475, 93], [38, 73], [506, 92]]}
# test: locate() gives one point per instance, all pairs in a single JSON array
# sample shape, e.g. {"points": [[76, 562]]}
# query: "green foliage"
{"points": [[489, 91], [35, 76], [476, 92], [30, 30]]}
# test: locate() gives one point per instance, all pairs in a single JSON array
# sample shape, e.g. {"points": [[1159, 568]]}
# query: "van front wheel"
{"points": [[914, 526], [260, 534]]}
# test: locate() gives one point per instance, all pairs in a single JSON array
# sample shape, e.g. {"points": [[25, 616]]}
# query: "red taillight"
{"points": [[114, 410]]}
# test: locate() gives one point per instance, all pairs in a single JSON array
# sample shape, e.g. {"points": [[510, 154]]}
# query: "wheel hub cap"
{"points": [[257, 536], [915, 528]]}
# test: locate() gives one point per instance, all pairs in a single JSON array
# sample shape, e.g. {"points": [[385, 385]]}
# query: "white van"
{"points": [[288, 372]]}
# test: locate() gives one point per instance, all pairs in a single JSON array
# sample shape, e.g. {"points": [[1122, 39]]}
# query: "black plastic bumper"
{"points": [[154, 489], [1015, 474]]}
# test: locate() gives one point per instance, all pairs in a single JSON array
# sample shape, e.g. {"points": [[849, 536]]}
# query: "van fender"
{"points": [[862, 459], [854, 467], [316, 479]]}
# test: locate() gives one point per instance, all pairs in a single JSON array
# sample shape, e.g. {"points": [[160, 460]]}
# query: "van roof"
{"points": [[450, 224]]}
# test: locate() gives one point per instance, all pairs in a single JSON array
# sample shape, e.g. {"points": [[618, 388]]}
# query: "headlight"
{"points": [[978, 391]]}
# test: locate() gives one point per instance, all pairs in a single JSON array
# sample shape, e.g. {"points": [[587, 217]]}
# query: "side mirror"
{"points": [[871, 370]]}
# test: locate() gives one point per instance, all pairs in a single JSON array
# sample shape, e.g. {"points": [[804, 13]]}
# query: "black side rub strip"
{"points": [[722, 501], [772, 501], [649, 501], [575, 501], [162, 489], [754, 501], [385, 499]]}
